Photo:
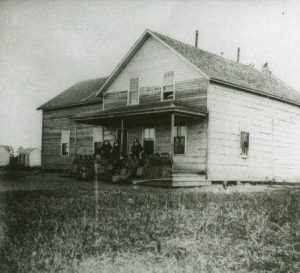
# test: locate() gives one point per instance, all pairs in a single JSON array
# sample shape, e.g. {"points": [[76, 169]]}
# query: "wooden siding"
{"points": [[149, 65], [56, 120], [192, 92], [274, 128], [115, 100], [196, 145], [189, 163], [135, 129], [195, 158]]}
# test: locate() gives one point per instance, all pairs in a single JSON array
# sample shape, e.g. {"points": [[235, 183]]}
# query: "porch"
{"points": [[165, 130]]}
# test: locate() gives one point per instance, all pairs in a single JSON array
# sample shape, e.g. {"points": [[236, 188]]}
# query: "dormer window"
{"points": [[133, 94], [168, 92]]}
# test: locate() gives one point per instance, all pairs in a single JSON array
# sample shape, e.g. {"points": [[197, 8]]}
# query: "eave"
{"points": [[69, 105], [254, 91]]}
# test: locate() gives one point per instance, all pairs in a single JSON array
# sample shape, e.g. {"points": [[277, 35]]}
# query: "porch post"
{"points": [[75, 138], [172, 132], [122, 135]]}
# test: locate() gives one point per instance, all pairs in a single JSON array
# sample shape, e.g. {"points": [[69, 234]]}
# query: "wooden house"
{"points": [[62, 137], [220, 120]]}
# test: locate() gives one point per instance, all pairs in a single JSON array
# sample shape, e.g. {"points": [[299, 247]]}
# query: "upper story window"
{"points": [[168, 92], [133, 95], [244, 144], [65, 142]]}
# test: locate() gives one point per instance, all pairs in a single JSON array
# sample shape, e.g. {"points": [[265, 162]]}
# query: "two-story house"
{"points": [[218, 119]]}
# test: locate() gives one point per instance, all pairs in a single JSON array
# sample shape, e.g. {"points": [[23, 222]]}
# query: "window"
{"points": [[244, 144], [179, 138], [168, 88], [97, 139], [149, 138], [65, 142], [133, 96]]}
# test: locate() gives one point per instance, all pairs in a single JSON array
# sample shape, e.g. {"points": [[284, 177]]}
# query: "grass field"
{"points": [[132, 229]]}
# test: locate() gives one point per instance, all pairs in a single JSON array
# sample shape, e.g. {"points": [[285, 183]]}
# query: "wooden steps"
{"points": [[177, 180], [162, 182], [189, 163], [189, 179]]}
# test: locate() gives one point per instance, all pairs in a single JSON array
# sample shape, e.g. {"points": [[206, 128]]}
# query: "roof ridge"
{"points": [[217, 56]]}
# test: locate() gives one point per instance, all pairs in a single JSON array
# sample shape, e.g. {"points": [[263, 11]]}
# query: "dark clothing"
{"points": [[115, 153], [136, 149], [106, 149]]}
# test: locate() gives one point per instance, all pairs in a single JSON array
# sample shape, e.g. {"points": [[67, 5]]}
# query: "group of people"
{"points": [[119, 163], [111, 158], [114, 152], [107, 150]]}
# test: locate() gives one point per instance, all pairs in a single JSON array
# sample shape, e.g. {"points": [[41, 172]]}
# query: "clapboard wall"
{"points": [[149, 64], [56, 120], [274, 127], [196, 140]]}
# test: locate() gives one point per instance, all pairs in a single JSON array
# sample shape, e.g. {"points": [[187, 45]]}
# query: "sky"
{"points": [[47, 46]]}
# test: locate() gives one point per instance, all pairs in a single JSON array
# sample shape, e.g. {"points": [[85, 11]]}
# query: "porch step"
{"points": [[185, 171], [191, 183], [161, 182], [171, 182], [188, 177]]}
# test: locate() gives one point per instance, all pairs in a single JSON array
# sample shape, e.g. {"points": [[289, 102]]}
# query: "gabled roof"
{"points": [[135, 110], [217, 69], [81, 93]]}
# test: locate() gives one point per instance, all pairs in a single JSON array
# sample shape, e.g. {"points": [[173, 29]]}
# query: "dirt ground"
{"points": [[36, 180]]}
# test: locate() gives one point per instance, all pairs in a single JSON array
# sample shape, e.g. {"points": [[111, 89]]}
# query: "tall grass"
{"points": [[168, 231]]}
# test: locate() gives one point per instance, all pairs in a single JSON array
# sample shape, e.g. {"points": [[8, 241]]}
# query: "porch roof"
{"points": [[137, 110]]}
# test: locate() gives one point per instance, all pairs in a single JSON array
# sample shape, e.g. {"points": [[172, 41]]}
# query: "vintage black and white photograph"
{"points": [[149, 136]]}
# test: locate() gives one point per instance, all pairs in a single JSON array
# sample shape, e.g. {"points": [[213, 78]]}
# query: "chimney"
{"points": [[265, 68], [196, 39], [238, 55]]}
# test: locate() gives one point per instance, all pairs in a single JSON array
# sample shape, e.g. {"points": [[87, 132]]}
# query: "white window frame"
{"points": [[154, 140], [94, 140], [185, 139], [138, 92], [165, 85], [62, 141]]}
